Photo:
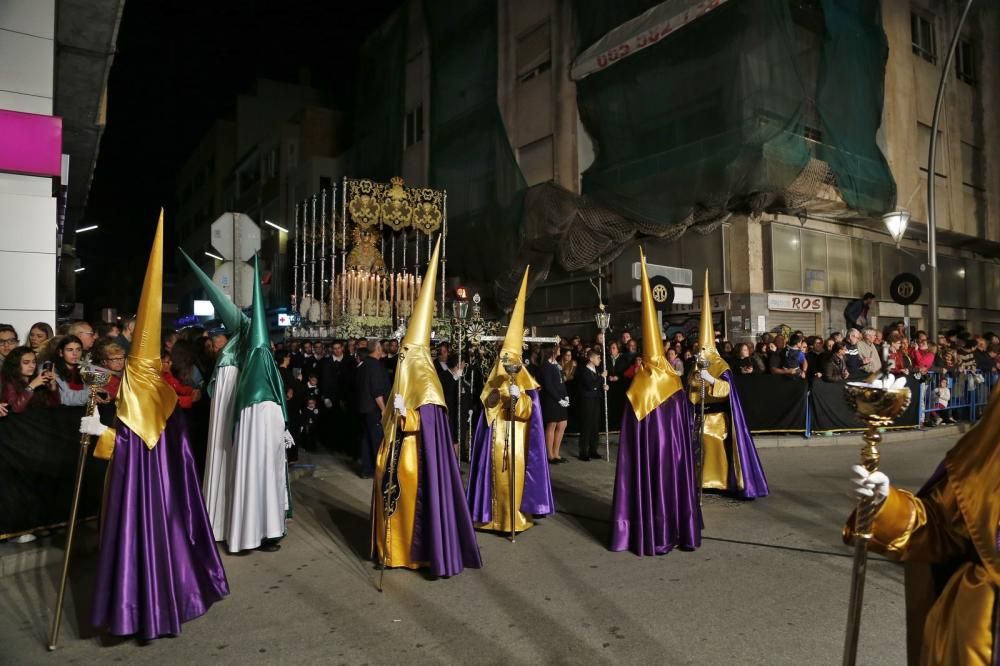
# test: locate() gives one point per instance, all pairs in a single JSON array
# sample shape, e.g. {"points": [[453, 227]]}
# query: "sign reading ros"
{"points": [[794, 303]]}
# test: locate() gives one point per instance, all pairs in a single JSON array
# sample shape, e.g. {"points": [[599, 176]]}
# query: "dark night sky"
{"points": [[179, 66]]}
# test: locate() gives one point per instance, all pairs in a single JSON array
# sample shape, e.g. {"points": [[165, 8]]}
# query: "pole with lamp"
{"points": [[460, 311], [603, 320], [897, 220]]}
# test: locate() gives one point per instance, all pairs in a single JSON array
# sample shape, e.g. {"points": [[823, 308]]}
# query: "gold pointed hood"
{"points": [[655, 380], [706, 335], [513, 344], [416, 378], [145, 401]]}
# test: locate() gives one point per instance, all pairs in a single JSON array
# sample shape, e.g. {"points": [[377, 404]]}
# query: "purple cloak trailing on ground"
{"points": [[655, 505], [754, 481], [536, 498], [158, 564], [443, 535]]}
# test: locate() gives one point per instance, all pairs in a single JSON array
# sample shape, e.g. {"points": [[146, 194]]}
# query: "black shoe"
{"points": [[269, 547], [596, 456], [553, 461], [560, 461], [584, 459]]}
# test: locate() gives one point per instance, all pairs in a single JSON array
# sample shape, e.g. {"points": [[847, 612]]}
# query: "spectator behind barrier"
{"points": [[24, 386], [38, 335], [72, 392]]}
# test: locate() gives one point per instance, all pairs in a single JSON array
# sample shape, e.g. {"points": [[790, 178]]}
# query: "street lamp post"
{"points": [[603, 320], [459, 311], [932, 178]]}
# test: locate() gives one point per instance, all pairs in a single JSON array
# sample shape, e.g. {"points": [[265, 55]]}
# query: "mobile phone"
{"points": [[47, 366]]}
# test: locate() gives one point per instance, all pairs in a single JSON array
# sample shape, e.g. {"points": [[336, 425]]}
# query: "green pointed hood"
{"points": [[237, 324], [259, 380]]}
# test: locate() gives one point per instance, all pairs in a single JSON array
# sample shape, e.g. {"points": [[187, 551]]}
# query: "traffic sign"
{"points": [[242, 285], [236, 235], [905, 288], [670, 285]]}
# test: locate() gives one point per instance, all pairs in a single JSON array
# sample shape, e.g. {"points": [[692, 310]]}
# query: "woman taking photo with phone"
{"points": [[23, 386]]}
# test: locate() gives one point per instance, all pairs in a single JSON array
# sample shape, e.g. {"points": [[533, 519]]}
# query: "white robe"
{"points": [[220, 444], [258, 479]]}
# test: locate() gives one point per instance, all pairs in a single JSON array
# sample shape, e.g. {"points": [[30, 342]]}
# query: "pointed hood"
{"points": [[259, 380], [145, 401], [652, 342], [655, 380], [706, 335], [513, 344], [237, 324], [418, 328], [230, 314], [416, 377]]}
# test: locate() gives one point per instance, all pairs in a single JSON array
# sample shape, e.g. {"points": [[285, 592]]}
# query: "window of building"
{"points": [[786, 258], [536, 162], [817, 262], [965, 61], [922, 36], [413, 126], [533, 53]]}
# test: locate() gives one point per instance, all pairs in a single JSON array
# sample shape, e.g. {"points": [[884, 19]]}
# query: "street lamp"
{"points": [[276, 226], [603, 320], [214, 256], [895, 223], [932, 177], [87, 228], [459, 312]]}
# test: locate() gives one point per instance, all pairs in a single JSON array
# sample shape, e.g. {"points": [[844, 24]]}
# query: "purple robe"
{"points": [[443, 535], [158, 565], [536, 498], [655, 505], [754, 481]]}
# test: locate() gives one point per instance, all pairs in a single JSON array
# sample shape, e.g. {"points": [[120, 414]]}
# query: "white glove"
{"points": [[707, 377], [328, 403], [874, 484], [564, 402], [91, 425], [515, 391], [399, 405], [289, 440]]}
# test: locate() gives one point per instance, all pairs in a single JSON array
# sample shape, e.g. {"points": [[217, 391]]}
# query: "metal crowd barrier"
{"points": [[970, 391]]}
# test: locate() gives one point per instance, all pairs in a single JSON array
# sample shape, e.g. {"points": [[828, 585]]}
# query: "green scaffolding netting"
{"points": [[751, 107]]}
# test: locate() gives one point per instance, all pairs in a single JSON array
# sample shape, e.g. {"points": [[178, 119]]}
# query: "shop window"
{"points": [[814, 262], [786, 258]]}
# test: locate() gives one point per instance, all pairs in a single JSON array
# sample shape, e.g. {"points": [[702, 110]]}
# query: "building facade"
{"points": [[798, 252], [284, 143], [54, 61]]}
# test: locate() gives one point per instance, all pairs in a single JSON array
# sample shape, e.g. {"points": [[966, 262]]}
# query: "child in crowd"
{"points": [[186, 396], [942, 396], [308, 434]]}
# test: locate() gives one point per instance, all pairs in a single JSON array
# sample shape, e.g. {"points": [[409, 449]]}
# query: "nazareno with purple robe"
{"points": [[491, 473], [419, 517], [655, 506], [158, 565]]}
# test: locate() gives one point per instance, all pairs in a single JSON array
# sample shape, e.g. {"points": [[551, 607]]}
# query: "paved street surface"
{"points": [[769, 585]]}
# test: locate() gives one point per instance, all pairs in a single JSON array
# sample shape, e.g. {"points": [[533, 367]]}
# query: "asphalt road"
{"points": [[769, 585]]}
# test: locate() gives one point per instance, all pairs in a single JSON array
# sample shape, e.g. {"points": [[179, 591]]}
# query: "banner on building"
{"points": [[641, 32]]}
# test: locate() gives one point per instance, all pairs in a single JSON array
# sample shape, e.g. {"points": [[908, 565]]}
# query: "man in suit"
{"points": [[371, 389], [590, 384]]}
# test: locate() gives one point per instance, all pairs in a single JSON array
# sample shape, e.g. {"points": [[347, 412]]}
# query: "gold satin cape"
{"points": [[954, 522], [715, 469]]}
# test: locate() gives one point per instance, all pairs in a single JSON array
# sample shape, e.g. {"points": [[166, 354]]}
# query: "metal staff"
{"points": [[390, 495], [702, 365], [878, 408], [97, 380]]}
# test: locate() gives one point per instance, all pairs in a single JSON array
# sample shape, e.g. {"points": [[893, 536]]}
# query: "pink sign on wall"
{"points": [[30, 143]]}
